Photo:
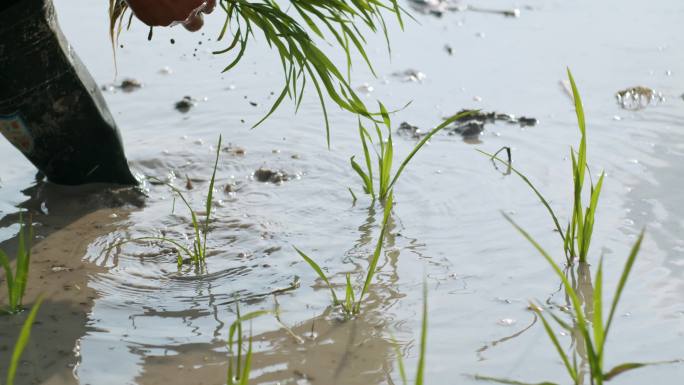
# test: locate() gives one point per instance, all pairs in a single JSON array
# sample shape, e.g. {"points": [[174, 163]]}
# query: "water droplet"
{"points": [[507, 322]]}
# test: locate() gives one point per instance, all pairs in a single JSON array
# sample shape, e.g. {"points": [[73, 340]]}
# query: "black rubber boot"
{"points": [[50, 107]]}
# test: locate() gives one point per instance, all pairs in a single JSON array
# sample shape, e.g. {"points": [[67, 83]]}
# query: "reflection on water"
{"points": [[133, 307]]}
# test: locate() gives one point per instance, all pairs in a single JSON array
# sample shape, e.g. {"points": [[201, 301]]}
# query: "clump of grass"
{"points": [[385, 155], [351, 304], [578, 232], [239, 368], [592, 328], [22, 340], [196, 254], [291, 31], [16, 281]]}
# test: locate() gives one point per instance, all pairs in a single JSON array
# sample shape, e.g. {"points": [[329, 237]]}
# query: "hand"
{"points": [[165, 12]]}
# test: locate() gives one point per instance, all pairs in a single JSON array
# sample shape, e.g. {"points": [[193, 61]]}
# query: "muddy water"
{"points": [[129, 315]]}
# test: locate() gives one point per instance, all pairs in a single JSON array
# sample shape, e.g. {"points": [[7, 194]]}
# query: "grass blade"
{"points": [[621, 284], [320, 273], [420, 372], [378, 249], [597, 322], [556, 344], [24, 336]]}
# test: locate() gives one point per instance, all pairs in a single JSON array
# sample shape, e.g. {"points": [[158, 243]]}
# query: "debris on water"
{"points": [[470, 127], [365, 88], [525, 121], [515, 12], [473, 124], [59, 268], [129, 85], [254, 104], [273, 176], [234, 150], [166, 70], [407, 129], [477, 98], [449, 49], [410, 75], [184, 105], [188, 183], [507, 322], [439, 7], [434, 7], [639, 97]]}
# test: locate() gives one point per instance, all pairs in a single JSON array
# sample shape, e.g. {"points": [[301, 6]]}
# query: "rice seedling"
{"points": [[293, 31], [577, 234], [22, 340], [351, 304], [385, 155], [238, 370], [16, 281], [420, 370], [590, 323], [196, 254]]}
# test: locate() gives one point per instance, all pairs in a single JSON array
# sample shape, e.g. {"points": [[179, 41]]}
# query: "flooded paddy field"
{"points": [[129, 315]]}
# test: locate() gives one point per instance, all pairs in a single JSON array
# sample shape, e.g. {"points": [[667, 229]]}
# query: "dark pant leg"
{"points": [[50, 107]]}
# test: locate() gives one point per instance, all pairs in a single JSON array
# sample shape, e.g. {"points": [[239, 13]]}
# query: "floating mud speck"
{"points": [[234, 150], [129, 85], [637, 98], [184, 105], [408, 129], [470, 127], [410, 75], [272, 176], [439, 7]]}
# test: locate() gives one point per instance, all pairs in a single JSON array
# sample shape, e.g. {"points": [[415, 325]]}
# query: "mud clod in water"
{"points": [[184, 105], [637, 98], [129, 85], [440, 7], [408, 129], [272, 176], [410, 75], [471, 126]]}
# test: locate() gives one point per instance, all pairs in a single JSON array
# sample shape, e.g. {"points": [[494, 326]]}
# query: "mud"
{"points": [[184, 105], [637, 98], [472, 125]]}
